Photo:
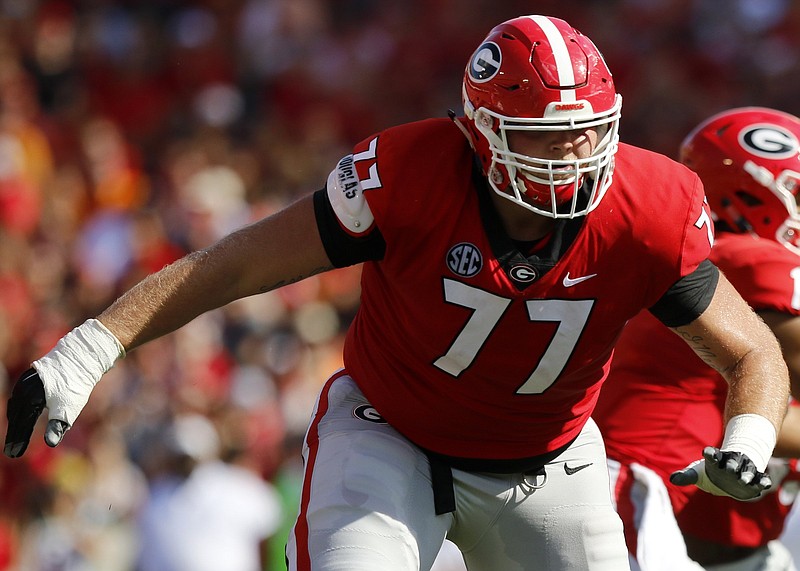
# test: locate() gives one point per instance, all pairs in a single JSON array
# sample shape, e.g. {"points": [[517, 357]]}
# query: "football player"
{"points": [[661, 404], [503, 251]]}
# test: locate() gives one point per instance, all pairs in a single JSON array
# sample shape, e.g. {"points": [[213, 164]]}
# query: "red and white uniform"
{"points": [[450, 351], [661, 404], [466, 348]]}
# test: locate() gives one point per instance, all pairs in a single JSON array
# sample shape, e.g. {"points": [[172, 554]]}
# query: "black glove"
{"points": [[724, 474], [24, 408]]}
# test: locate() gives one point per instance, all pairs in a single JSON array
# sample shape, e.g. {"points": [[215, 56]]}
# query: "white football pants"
{"points": [[367, 503]]}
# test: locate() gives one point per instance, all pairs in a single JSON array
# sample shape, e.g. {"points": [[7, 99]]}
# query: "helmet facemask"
{"points": [[546, 186]]}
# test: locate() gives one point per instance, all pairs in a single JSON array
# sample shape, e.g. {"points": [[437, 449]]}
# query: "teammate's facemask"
{"points": [[536, 73], [749, 161]]}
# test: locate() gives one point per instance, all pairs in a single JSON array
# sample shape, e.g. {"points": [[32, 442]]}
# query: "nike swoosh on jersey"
{"points": [[569, 282], [571, 471]]}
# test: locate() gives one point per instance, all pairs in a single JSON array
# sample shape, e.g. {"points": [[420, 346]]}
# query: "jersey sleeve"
{"points": [[367, 201], [698, 231], [362, 190], [671, 220], [344, 217]]}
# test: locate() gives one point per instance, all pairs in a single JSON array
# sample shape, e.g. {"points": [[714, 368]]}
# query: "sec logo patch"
{"points": [[464, 260]]}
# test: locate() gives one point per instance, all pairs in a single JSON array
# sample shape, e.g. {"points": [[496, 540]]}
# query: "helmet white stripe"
{"points": [[566, 75]]}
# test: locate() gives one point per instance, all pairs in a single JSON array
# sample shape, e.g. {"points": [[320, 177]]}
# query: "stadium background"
{"points": [[132, 132]]}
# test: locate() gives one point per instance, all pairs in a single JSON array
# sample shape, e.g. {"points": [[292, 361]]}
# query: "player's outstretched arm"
{"points": [[730, 337], [281, 249]]}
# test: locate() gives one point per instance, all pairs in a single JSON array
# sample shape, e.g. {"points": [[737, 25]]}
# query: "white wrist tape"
{"points": [[73, 367], [751, 434]]}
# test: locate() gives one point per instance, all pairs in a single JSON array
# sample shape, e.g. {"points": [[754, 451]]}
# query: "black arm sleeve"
{"points": [[689, 297], [342, 248]]}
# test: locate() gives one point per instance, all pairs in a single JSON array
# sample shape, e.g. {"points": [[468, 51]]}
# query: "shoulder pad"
{"points": [[347, 197]]}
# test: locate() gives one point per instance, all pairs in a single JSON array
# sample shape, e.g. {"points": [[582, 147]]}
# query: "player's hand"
{"points": [[724, 474], [25, 405]]}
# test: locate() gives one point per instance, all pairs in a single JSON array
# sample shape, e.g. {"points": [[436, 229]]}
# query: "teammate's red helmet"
{"points": [[749, 161], [539, 73]]}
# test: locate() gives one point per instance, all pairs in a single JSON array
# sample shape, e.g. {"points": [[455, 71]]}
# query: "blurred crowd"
{"points": [[133, 132]]}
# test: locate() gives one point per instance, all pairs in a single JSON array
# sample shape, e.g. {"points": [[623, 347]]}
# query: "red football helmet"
{"points": [[536, 73], [749, 161]]}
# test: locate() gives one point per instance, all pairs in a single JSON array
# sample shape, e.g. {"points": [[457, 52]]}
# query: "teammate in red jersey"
{"points": [[661, 404], [502, 254]]}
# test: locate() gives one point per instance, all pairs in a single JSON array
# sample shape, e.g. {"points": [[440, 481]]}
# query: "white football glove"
{"points": [[61, 381]]}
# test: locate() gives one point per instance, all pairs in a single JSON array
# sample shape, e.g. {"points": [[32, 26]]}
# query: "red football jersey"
{"points": [[459, 342], [661, 404]]}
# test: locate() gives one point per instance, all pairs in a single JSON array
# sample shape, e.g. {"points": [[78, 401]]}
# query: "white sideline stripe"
{"points": [[566, 75]]}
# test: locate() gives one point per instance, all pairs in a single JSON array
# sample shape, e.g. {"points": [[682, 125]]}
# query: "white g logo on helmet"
{"points": [[485, 64], [769, 141]]}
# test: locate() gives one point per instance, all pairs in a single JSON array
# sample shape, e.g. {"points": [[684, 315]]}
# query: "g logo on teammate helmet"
{"points": [[769, 141], [485, 64]]}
